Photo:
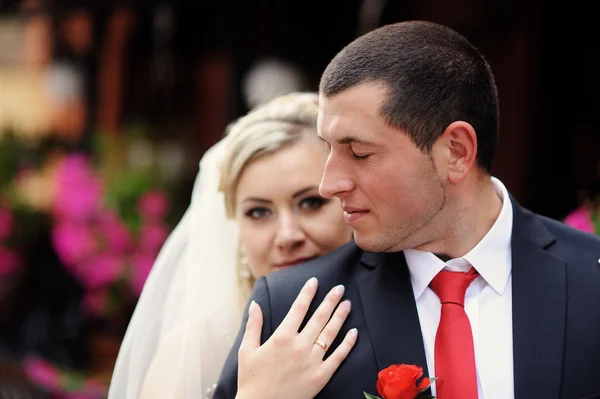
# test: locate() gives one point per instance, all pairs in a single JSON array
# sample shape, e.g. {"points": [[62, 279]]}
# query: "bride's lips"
{"points": [[353, 214], [293, 262]]}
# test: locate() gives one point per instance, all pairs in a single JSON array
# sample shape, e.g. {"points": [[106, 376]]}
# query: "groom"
{"points": [[410, 115]]}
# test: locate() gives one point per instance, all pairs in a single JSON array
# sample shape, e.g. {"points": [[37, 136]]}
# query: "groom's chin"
{"points": [[369, 242]]}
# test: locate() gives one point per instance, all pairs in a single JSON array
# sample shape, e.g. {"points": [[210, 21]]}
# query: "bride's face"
{"points": [[282, 218]]}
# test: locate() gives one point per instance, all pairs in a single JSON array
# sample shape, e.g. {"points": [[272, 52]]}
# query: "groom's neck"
{"points": [[443, 257]]}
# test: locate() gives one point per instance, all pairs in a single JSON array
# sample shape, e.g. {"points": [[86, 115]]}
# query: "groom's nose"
{"points": [[335, 181]]}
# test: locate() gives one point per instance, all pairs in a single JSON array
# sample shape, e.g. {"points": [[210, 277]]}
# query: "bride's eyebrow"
{"points": [[295, 195], [256, 199], [304, 191]]}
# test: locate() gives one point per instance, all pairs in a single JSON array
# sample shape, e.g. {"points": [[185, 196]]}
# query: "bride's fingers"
{"points": [[292, 321], [331, 364], [321, 317], [251, 338], [333, 327]]}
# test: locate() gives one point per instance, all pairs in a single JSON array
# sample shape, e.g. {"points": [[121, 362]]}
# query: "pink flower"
{"points": [[10, 262], [581, 218], [6, 223], [95, 388], [152, 237], [74, 243], [95, 302], [88, 393], [115, 233], [42, 373], [153, 205], [141, 265], [78, 190], [102, 270]]}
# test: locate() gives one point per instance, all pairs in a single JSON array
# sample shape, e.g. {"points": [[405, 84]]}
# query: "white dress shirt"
{"points": [[488, 302]]}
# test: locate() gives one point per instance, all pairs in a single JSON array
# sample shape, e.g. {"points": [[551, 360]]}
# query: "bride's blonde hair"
{"points": [[264, 130]]}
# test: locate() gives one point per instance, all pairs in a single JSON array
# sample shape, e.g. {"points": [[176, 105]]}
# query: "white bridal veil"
{"points": [[190, 308]]}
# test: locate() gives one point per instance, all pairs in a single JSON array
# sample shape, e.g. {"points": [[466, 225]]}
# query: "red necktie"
{"points": [[454, 350]]}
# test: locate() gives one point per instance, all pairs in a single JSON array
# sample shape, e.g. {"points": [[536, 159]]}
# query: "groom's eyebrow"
{"points": [[348, 140]]}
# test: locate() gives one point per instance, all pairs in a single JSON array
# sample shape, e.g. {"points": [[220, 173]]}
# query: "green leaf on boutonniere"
{"points": [[369, 396]]}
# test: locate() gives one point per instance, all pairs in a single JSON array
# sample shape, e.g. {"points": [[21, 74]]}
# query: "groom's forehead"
{"points": [[352, 110], [333, 124], [357, 128]]}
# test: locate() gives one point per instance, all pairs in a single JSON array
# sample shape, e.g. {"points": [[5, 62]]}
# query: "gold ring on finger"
{"points": [[322, 344]]}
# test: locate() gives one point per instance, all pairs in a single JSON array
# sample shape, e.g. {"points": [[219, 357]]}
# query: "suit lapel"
{"points": [[539, 309], [390, 312]]}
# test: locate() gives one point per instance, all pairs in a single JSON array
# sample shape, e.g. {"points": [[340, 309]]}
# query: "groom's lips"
{"points": [[352, 214]]}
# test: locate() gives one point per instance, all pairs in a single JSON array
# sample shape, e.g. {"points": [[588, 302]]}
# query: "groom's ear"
{"points": [[459, 145]]}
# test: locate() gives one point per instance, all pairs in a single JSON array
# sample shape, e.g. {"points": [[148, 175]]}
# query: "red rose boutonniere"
{"points": [[401, 381]]}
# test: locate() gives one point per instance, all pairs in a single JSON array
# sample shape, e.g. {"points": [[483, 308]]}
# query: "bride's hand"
{"points": [[290, 363]]}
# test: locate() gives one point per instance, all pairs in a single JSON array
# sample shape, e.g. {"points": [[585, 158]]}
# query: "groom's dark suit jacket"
{"points": [[556, 312]]}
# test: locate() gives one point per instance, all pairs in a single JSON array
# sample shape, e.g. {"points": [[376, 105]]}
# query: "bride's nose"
{"points": [[289, 232]]}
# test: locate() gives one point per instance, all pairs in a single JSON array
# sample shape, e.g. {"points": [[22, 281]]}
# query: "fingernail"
{"points": [[353, 333], [345, 306], [252, 308], [339, 290], [312, 283]]}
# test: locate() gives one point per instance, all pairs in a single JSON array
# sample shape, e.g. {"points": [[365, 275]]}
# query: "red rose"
{"points": [[401, 382]]}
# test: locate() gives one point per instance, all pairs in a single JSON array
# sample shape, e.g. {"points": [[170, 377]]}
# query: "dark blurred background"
{"points": [[124, 97]]}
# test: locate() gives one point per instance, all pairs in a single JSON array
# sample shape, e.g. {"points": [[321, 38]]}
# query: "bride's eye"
{"points": [[313, 203], [258, 213]]}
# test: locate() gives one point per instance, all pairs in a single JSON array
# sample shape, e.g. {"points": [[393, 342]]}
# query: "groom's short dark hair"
{"points": [[433, 76]]}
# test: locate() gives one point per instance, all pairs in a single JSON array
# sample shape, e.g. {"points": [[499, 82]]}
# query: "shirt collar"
{"points": [[491, 256]]}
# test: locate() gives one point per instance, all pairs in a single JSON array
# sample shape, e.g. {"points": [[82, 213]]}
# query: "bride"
{"points": [[255, 208]]}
